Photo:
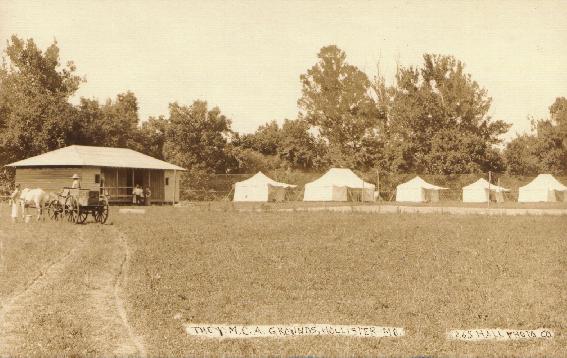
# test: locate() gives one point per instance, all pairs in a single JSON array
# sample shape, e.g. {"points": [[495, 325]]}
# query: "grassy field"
{"points": [[232, 206], [212, 264], [428, 274]]}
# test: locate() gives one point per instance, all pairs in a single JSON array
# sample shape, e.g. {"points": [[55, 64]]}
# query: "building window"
{"points": [[166, 181], [97, 178]]}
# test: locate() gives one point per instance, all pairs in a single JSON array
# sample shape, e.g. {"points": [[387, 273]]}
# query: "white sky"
{"points": [[246, 56]]}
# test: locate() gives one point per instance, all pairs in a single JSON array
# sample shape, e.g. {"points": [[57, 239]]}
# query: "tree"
{"points": [[545, 150], [35, 113], [119, 122], [558, 118], [438, 122], [272, 147], [521, 155], [88, 128], [248, 160], [197, 137], [265, 140], [299, 148], [336, 100], [153, 136]]}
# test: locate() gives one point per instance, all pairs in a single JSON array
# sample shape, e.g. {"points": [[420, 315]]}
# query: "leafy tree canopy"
{"points": [[336, 99], [545, 150], [35, 115], [437, 120]]}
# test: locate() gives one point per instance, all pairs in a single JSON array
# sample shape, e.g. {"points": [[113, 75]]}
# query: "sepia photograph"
{"points": [[283, 178]]}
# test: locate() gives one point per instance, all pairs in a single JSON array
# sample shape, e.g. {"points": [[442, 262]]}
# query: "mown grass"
{"points": [[426, 273], [27, 248]]}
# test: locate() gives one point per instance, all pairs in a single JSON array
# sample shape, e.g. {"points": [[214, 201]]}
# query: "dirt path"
{"points": [[74, 306], [120, 281]]}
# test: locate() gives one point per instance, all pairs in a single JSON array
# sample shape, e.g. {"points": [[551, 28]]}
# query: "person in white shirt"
{"points": [[138, 193], [76, 181], [14, 198]]}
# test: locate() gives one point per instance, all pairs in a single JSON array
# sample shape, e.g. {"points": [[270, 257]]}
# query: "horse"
{"points": [[38, 197]]}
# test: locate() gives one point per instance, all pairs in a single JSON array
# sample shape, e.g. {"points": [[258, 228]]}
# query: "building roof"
{"points": [[80, 155]]}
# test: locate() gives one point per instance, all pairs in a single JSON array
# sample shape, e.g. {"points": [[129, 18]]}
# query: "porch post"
{"points": [[174, 184]]}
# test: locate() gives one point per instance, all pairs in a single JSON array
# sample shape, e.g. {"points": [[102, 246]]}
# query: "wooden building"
{"points": [[115, 171]]}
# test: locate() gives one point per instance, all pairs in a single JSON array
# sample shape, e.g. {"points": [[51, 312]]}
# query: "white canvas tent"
{"points": [[260, 188], [338, 184], [543, 188], [418, 190], [479, 192]]}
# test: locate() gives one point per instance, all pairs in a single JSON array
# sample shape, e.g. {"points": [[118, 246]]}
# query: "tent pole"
{"points": [[500, 192], [378, 183], [362, 194]]}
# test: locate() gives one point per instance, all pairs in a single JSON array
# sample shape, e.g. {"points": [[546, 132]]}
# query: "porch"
{"points": [[120, 182]]}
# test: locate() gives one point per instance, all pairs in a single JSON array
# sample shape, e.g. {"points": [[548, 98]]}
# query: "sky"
{"points": [[246, 56]]}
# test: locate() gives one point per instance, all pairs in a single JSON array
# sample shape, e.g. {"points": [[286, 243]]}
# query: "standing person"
{"points": [[138, 194], [14, 198], [76, 181], [147, 194]]}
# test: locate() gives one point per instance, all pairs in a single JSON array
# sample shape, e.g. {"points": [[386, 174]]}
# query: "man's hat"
{"points": [[76, 176]]}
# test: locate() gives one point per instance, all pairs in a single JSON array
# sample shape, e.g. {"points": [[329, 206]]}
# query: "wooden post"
{"points": [[116, 184], [174, 184]]}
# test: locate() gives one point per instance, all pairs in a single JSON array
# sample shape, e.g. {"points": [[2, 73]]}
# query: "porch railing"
{"points": [[121, 193]]}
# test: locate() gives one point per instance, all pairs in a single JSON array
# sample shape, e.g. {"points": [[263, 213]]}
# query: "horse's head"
{"points": [[24, 192]]}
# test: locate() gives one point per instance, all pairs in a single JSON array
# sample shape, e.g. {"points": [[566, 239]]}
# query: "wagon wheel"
{"points": [[55, 210], [101, 215], [82, 215], [72, 209]]}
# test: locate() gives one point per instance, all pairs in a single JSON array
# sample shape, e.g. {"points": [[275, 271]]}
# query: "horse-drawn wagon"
{"points": [[75, 205]]}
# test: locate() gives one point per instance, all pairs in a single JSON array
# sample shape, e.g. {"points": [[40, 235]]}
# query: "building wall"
{"points": [[172, 179], [54, 179], [88, 175], [118, 180], [156, 184]]}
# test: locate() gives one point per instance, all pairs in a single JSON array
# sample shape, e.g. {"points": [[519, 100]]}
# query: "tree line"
{"points": [[433, 119]]}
